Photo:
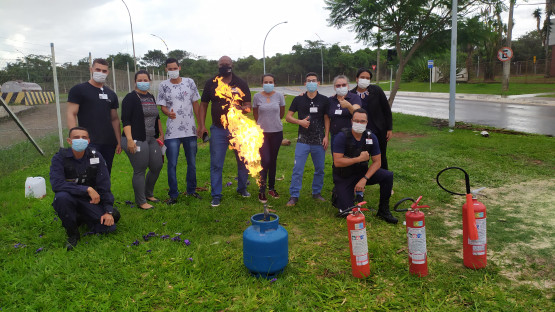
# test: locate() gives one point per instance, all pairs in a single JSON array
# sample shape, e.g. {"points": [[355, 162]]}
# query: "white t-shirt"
{"points": [[180, 98], [268, 111]]}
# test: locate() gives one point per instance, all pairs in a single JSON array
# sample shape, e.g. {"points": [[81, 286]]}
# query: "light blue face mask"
{"points": [[143, 85], [79, 145], [268, 87], [311, 86]]}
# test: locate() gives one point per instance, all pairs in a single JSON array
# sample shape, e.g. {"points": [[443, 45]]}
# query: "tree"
{"points": [[537, 14], [405, 25], [121, 60], [179, 55], [155, 58]]}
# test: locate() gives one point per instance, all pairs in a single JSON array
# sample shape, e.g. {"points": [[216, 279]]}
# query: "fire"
{"points": [[246, 135]]}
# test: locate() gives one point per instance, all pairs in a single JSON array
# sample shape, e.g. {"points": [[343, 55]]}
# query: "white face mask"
{"points": [[358, 127], [363, 83], [99, 77], [173, 74], [342, 91]]}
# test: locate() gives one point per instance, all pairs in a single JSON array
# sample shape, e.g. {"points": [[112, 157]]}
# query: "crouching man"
{"points": [[81, 183], [352, 149]]}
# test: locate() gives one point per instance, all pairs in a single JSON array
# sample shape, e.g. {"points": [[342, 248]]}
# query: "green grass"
{"points": [[109, 273]]}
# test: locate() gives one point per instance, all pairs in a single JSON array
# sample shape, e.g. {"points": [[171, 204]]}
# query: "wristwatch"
{"points": [[366, 178]]}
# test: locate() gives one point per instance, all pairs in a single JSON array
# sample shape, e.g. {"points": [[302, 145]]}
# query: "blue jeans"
{"points": [[219, 142], [172, 153], [318, 155]]}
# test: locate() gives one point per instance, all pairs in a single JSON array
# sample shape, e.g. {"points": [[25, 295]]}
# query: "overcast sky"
{"points": [[208, 28]]}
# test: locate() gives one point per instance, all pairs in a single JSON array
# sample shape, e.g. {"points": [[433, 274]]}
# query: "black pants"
{"points": [[268, 153], [108, 152], [382, 141], [74, 210], [345, 187]]}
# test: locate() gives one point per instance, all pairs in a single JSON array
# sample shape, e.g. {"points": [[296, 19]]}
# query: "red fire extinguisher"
{"points": [[474, 225], [416, 236], [358, 241]]}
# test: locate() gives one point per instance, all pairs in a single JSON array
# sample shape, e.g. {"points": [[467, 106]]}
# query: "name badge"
{"points": [[103, 96], [369, 142], [313, 110], [95, 161], [338, 112]]}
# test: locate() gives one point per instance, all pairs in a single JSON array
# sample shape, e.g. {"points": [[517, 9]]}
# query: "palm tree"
{"points": [[537, 14]]}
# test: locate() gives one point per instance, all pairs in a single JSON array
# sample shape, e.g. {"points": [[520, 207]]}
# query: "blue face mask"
{"points": [[143, 85], [79, 145], [268, 87], [311, 86]]}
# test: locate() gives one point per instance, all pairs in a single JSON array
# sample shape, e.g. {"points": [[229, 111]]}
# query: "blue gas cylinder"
{"points": [[265, 246]]}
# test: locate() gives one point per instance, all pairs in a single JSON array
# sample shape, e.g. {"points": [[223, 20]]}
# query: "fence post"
{"points": [[114, 76], [90, 64], [128, 78], [57, 94]]}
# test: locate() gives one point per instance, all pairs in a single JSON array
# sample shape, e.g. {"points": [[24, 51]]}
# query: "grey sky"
{"points": [[208, 28]]}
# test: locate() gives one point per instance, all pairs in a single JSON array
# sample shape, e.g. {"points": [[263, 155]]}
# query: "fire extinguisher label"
{"points": [[479, 245], [359, 226], [360, 246], [417, 244]]}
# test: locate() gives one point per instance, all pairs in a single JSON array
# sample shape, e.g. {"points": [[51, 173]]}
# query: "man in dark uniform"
{"points": [[81, 184], [352, 149]]}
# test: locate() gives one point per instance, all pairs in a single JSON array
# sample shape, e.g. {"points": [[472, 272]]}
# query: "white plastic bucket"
{"points": [[35, 187]]}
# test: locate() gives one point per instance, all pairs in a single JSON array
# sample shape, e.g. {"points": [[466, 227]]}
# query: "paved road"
{"points": [[520, 113]]}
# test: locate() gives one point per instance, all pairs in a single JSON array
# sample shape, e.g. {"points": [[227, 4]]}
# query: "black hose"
{"points": [[466, 178], [402, 201]]}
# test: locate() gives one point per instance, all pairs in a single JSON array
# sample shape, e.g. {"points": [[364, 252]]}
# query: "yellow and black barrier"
{"points": [[38, 97], [28, 97], [13, 97]]}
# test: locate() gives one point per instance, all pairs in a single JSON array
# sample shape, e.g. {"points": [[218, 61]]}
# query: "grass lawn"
{"points": [[109, 272], [476, 88]]}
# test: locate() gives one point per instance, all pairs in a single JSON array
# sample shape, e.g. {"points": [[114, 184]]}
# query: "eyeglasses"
{"points": [[341, 85], [360, 121]]}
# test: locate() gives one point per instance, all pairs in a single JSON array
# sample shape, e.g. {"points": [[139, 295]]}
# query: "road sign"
{"points": [[534, 59], [430, 63], [373, 67], [504, 54]]}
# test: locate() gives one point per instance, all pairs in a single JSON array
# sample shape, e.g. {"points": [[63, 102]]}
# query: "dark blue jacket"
{"points": [[60, 183]]}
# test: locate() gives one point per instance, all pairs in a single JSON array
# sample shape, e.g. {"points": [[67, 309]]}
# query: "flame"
{"points": [[246, 135]]}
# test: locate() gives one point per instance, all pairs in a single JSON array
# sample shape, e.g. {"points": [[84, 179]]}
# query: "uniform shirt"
{"points": [[376, 105], [341, 117], [59, 183], [302, 105], [340, 141], [95, 112], [180, 98], [221, 106], [268, 111]]}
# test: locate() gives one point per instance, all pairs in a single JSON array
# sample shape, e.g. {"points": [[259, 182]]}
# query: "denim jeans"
{"points": [[318, 155], [172, 153], [219, 142]]}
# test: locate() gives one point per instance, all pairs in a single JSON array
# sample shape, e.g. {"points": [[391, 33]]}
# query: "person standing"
{"points": [[94, 106], [268, 110], [179, 99], [353, 148], [141, 127], [314, 123], [374, 101], [219, 136], [342, 106], [81, 186]]}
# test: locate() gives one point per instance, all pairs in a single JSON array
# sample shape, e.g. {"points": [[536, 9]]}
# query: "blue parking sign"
{"points": [[430, 63]]}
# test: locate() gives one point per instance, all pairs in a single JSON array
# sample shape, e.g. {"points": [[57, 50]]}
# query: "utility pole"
{"points": [[507, 64]]}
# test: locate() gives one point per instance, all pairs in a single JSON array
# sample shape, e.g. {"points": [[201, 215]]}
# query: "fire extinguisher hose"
{"points": [[402, 201], [472, 230]]}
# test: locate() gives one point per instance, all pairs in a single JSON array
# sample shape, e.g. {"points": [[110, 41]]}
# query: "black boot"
{"points": [[385, 214], [72, 237]]}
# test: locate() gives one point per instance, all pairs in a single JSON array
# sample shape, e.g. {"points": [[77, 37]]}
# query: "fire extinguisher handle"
{"points": [[402, 201]]}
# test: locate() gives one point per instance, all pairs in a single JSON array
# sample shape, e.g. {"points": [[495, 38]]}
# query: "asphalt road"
{"points": [[520, 113]]}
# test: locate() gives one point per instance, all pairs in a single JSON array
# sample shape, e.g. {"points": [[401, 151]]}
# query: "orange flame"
{"points": [[246, 135]]}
